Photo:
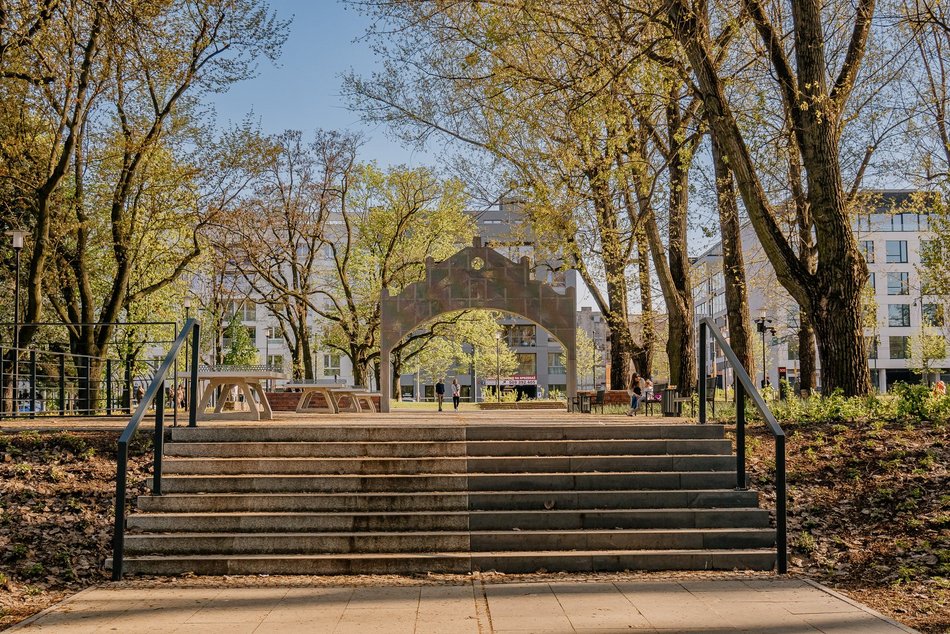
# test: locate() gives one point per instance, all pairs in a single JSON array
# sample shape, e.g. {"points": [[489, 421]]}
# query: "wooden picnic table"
{"points": [[247, 380]]}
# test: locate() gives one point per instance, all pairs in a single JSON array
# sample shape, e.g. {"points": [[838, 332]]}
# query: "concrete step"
{"points": [[600, 481], [298, 522], [449, 541], [619, 499], [448, 520], [448, 482], [593, 431], [432, 465], [459, 563], [597, 447], [336, 433], [581, 464], [312, 466], [444, 500], [392, 449], [304, 502], [296, 543], [623, 539], [607, 519], [617, 561], [420, 449], [447, 433]]}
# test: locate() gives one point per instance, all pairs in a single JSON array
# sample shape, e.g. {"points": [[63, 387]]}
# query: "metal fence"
{"points": [[37, 383]]}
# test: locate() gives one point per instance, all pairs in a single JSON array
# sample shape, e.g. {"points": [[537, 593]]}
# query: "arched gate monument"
{"points": [[476, 277]]}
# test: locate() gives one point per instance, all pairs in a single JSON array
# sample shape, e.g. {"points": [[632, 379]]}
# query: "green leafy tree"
{"points": [[241, 350], [386, 224]]}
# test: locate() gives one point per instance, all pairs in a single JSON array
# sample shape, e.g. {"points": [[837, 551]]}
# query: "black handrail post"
{"points": [[62, 384], [193, 396], [32, 383], [118, 539], [701, 372], [109, 387], [154, 394], [159, 442], [87, 384], [740, 436], [781, 531], [128, 385], [3, 384]]}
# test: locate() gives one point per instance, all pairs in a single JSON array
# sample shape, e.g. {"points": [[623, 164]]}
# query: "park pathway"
{"points": [[726, 604]]}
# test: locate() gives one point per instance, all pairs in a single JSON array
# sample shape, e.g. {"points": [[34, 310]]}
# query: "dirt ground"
{"points": [[869, 516]]}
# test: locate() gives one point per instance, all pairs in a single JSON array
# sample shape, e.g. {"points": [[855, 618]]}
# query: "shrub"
{"points": [[912, 400]]}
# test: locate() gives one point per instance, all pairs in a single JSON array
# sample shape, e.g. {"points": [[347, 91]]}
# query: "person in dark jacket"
{"points": [[440, 392]]}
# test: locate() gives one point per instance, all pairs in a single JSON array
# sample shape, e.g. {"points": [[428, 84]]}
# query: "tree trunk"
{"points": [[733, 265], [806, 355], [643, 359], [681, 344], [839, 332], [830, 295], [307, 353]]}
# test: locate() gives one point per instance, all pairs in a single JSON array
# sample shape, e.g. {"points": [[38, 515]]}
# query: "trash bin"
{"points": [[669, 404]]}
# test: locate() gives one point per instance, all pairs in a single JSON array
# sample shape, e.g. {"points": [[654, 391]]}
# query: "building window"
{"points": [[872, 281], [273, 333], [899, 347], [276, 361], [520, 335], [867, 247], [527, 364], [793, 348], [406, 392], [245, 310], [898, 315], [932, 315], [896, 251], [898, 283], [879, 222], [870, 344], [556, 364], [331, 364]]}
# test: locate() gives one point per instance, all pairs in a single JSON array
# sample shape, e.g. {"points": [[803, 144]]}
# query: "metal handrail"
{"points": [[156, 393], [745, 387]]}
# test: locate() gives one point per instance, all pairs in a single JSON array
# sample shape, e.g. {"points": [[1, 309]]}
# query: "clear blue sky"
{"points": [[302, 91]]}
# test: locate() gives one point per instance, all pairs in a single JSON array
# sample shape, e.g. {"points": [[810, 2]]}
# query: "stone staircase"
{"points": [[403, 499]]}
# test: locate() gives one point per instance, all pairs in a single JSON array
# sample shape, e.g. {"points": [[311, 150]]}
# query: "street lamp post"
{"points": [[474, 373], [498, 366], [17, 239], [763, 324]]}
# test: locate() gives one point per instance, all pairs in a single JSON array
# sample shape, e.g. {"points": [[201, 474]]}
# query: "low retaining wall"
{"points": [[611, 397], [283, 401], [287, 401], [524, 405]]}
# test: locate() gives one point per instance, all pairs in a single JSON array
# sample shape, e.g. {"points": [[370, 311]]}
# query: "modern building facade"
{"points": [[906, 327]]}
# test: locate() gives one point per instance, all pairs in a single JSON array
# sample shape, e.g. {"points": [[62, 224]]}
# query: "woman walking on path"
{"points": [[456, 393]]}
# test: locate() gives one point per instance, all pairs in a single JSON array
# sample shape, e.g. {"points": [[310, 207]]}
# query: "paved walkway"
{"points": [[676, 605], [310, 419]]}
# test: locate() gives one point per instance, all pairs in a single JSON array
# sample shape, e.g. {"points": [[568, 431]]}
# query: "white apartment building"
{"points": [[906, 327]]}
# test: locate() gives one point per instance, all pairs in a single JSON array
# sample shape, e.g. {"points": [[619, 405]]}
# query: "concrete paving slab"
{"points": [[563, 606]]}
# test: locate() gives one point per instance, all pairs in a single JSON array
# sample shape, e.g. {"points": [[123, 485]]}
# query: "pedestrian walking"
{"points": [[440, 392], [456, 393]]}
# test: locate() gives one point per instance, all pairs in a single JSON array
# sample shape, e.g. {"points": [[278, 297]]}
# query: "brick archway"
{"points": [[477, 277]]}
